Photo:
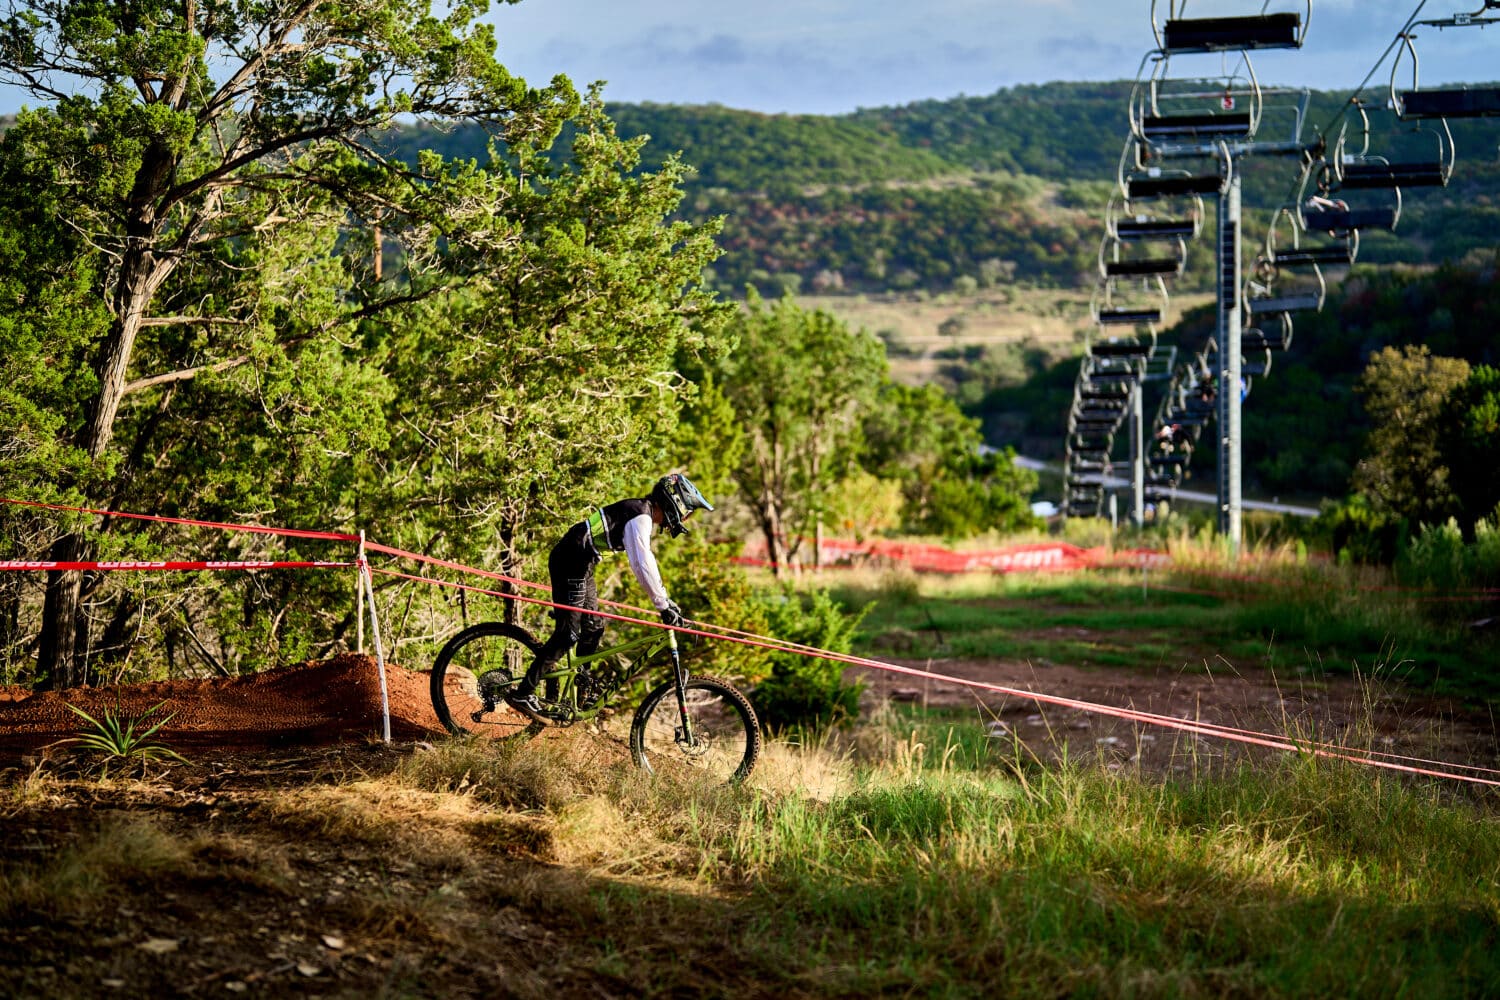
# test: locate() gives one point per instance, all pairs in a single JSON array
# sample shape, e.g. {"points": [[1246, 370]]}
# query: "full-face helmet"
{"points": [[677, 498]]}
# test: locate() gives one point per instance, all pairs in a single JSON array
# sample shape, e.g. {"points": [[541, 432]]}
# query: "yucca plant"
{"points": [[117, 737]]}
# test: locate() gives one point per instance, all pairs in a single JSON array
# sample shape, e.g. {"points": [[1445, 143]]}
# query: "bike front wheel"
{"points": [[721, 737], [475, 671]]}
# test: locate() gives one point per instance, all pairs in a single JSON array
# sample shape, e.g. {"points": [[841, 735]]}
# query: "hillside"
{"points": [[975, 191], [965, 233]]}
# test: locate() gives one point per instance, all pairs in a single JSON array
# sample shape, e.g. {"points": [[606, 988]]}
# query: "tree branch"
{"points": [[182, 375]]}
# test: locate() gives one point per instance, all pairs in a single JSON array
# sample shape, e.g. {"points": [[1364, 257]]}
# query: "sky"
{"points": [[834, 56]]}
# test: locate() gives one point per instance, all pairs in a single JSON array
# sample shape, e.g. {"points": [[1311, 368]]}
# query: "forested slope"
{"points": [[1008, 186]]}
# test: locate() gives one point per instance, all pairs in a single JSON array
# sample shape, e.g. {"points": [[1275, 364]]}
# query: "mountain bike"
{"points": [[704, 723]]}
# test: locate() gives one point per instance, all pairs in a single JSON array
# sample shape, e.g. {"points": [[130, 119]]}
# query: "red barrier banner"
{"points": [[106, 566], [927, 558]]}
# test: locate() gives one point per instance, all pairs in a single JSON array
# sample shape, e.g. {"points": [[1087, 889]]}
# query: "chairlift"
{"points": [[1363, 170], [1253, 363], [1462, 101], [1131, 350], [1340, 252], [1106, 367], [1158, 183], [1180, 115], [1097, 411], [1175, 32], [1140, 179], [1134, 304], [1266, 295], [1128, 225], [1276, 337], [1323, 211], [1114, 262]]}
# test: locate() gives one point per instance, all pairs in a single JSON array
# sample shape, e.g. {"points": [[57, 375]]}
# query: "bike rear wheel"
{"points": [[475, 671], [725, 742]]}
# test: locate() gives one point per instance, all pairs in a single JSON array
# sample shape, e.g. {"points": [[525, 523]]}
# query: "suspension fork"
{"points": [[680, 679]]}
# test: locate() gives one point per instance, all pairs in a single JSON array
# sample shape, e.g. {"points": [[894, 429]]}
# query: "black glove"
{"points": [[671, 615]]}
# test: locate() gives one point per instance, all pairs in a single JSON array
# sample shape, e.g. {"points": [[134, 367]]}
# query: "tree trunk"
{"points": [[59, 661], [509, 565], [770, 523], [64, 637]]}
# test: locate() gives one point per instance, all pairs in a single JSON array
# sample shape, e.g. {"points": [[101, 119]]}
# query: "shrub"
{"points": [[1435, 557], [1439, 556], [707, 584], [1486, 553], [1355, 532], [804, 693], [114, 738]]}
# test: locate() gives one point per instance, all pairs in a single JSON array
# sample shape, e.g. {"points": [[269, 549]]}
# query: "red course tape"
{"points": [[734, 635], [105, 566]]}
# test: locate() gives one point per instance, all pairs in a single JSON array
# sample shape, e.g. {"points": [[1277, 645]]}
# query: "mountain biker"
{"points": [[623, 526]]}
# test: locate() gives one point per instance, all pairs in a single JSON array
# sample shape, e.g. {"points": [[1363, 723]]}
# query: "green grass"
{"points": [[938, 863], [947, 872], [1292, 619]]}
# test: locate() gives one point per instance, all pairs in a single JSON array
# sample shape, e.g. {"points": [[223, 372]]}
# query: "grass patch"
{"points": [[914, 854], [1296, 619], [931, 861]]}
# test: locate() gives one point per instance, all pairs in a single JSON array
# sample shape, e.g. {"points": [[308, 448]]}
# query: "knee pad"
{"points": [[588, 643]]}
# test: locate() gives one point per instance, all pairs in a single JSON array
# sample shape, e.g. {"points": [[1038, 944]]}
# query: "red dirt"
{"points": [[311, 704]]}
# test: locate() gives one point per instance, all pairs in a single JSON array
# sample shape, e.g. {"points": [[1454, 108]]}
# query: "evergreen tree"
{"points": [[800, 382], [1470, 443], [252, 287]]}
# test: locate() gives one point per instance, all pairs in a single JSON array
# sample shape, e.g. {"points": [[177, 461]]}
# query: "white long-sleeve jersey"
{"points": [[642, 562]]}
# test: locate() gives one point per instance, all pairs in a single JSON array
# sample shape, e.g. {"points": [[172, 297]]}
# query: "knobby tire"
{"points": [[726, 734], [471, 654]]}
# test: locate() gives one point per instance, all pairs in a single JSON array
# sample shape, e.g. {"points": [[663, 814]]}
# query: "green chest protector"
{"points": [[599, 532]]}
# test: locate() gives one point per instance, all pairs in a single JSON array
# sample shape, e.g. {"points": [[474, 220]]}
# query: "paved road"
{"points": [[1190, 496]]}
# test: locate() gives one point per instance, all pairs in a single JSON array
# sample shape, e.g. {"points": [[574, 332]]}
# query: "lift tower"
{"points": [[1226, 137]]}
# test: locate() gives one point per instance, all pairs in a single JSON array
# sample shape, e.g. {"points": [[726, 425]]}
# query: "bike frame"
{"points": [[649, 645]]}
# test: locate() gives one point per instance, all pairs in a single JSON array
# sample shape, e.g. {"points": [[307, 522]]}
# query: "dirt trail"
{"points": [[1348, 711], [336, 701]]}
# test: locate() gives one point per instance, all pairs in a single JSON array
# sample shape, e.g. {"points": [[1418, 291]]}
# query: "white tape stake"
{"points": [[369, 591], [359, 598]]}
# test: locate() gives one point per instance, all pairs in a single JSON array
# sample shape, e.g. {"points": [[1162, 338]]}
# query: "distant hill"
{"points": [[940, 195]]}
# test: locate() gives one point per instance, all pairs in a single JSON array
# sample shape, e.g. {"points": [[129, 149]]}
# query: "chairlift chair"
{"points": [[1129, 225], [1114, 263], [1323, 211], [1132, 350], [1158, 183], [1263, 297], [1253, 363], [1176, 32], [1178, 116], [1340, 252], [1140, 177], [1365, 171], [1462, 101], [1269, 338], [1142, 308]]}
